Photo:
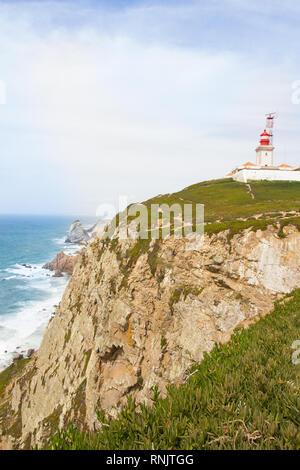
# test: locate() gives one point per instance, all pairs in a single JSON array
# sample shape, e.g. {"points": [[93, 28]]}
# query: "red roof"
{"points": [[284, 165], [248, 164], [265, 134], [229, 174]]}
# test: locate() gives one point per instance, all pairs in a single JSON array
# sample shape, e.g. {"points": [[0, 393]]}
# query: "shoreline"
{"points": [[22, 326], [23, 322], [23, 329]]}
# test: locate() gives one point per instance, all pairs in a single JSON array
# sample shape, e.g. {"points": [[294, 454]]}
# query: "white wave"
{"points": [[23, 329], [33, 272], [38, 284], [8, 278], [67, 248], [23, 287], [28, 270], [59, 241]]}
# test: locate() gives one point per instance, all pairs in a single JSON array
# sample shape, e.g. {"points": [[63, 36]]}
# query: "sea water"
{"points": [[28, 294]]}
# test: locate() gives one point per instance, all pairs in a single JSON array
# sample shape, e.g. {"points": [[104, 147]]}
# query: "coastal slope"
{"points": [[137, 314]]}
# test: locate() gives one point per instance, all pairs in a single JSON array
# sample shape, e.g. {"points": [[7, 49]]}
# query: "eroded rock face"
{"points": [[62, 263], [125, 325], [77, 234]]}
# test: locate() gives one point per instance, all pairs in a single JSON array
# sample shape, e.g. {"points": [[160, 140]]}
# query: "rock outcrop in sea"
{"points": [[62, 263], [77, 234]]}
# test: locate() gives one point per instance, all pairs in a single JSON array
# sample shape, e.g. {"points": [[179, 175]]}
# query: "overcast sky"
{"points": [[137, 98]]}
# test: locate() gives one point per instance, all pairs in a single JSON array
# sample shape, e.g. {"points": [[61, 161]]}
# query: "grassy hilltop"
{"points": [[227, 199], [234, 206]]}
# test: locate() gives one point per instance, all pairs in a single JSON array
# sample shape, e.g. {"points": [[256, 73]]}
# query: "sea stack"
{"points": [[77, 234]]}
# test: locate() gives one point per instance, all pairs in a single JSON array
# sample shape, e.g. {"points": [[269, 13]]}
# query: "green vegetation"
{"points": [[183, 291], [12, 371], [140, 381], [52, 421], [244, 395], [291, 220], [87, 355], [237, 226], [67, 336], [229, 205], [131, 257], [228, 200]]}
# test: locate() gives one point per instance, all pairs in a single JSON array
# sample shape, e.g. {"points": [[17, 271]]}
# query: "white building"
{"points": [[264, 169]]}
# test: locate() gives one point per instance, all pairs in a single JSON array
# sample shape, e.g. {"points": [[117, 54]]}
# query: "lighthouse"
{"points": [[264, 168], [265, 150]]}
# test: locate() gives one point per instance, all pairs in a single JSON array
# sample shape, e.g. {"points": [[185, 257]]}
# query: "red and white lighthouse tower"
{"points": [[264, 168], [265, 150]]}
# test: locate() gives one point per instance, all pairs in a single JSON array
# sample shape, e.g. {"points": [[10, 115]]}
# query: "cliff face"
{"points": [[77, 234], [138, 314], [62, 263]]}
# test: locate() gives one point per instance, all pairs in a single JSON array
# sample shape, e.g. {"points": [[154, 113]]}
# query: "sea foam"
{"points": [[23, 328]]}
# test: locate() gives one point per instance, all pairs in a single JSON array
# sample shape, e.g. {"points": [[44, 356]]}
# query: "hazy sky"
{"points": [[136, 98]]}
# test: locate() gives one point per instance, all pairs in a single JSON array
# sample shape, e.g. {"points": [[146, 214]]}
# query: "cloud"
{"points": [[102, 102]]}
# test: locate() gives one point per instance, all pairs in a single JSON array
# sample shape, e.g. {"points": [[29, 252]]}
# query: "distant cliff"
{"points": [[64, 263], [77, 234]]}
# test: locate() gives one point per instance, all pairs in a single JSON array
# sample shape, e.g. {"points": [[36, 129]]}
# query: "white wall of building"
{"points": [[271, 175]]}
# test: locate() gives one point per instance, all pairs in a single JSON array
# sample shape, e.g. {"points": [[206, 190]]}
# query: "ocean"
{"points": [[28, 294]]}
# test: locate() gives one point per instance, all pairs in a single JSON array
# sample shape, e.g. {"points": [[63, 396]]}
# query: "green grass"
{"points": [[227, 199], [244, 395], [228, 205], [10, 372], [237, 226]]}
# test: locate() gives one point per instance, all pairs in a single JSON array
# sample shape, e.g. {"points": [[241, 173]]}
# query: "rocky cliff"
{"points": [[77, 234], [62, 263], [138, 314]]}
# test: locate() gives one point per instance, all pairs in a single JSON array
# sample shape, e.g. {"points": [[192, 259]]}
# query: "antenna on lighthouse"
{"points": [[270, 125]]}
